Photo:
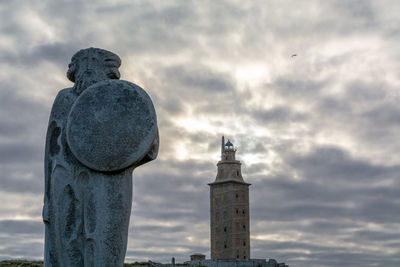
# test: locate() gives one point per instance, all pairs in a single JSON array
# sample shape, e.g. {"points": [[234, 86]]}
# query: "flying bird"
{"points": [[294, 55]]}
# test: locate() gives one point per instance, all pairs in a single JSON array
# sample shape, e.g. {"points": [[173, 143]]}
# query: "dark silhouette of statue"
{"points": [[99, 131]]}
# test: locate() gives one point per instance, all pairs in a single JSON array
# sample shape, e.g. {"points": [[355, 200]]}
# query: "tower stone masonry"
{"points": [[229, 208]]}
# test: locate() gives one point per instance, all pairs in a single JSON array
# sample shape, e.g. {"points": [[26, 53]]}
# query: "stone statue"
{"points": [[99, 131]]}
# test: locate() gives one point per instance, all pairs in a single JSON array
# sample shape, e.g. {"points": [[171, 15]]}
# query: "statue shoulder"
{"points": [[62, 103], [62, 94]]}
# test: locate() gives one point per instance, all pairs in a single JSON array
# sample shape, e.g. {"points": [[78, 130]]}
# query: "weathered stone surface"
{"points": [[86, 206], [114, 131]]}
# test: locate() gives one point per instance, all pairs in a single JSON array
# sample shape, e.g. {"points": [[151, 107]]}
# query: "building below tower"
{"points": [[233, 263]]}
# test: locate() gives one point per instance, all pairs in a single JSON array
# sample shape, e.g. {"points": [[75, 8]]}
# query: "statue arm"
{"points": [[153, 151], [47, 165], [47, 171], [52, 148]]}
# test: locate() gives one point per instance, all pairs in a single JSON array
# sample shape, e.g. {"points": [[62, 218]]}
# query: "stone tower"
{"points": [[229, 208]]}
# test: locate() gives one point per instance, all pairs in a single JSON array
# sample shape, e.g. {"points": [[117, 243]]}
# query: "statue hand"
{"points": [[45, 213]]}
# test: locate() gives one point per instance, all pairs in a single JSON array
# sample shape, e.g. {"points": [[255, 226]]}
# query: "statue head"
{"points": [[91, 65]]}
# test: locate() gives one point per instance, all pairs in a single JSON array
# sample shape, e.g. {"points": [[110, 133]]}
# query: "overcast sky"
{"points": [[318, 134]]}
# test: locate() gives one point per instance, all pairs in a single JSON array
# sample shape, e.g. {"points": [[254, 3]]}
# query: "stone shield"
{"points": [[111, 125]]}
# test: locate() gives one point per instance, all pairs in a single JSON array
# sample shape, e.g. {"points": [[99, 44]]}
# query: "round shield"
{"points": [[111, 125]]}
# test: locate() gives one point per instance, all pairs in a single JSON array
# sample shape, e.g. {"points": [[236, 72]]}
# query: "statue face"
{"points": [[91, 65]]}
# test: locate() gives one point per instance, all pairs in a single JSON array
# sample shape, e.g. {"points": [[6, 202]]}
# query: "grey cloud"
{"points": [[162, 237], [254, 168], [234, 104], [322, 193], [354, 259], [393, 245], [374, 236], [323, 163], [334, 18], [199, 87], [360, 14], [321, 255], [330, 107], [379, 211], [151, 28], [154, 228], [307, 89], [311, 228], [13, 180], [367, 112], [25, 152], [247, 144], [22, 121], [383, 116], [21, 227], [279, 115], [21, 248], [172, 105], [276, 246], [310, 201], [20, 239], [324, 226], [168, 191], [168, 200], [361, 92], [22, 114], [301, 211], [203, 138], [199, 78], [57, 53]]}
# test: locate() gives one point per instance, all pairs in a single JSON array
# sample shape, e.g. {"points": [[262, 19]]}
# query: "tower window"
{"points": [[226, 157], [225, 229], [225, 244], [244, 243], [244, 226], [237, 196], [244, 257], [237, 173], [237, 211], [244, 212]]}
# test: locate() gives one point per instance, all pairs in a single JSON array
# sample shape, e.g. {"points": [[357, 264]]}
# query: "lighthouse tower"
{"points": [[229, 208]]}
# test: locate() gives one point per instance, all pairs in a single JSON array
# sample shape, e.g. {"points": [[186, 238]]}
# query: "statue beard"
{"points": [[87, 79]]}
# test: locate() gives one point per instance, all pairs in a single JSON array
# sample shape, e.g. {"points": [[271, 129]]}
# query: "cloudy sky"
{"points": [[318, 134]]}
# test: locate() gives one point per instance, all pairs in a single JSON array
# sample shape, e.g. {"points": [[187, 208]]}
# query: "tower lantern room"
{"points": [[228, 151]]}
